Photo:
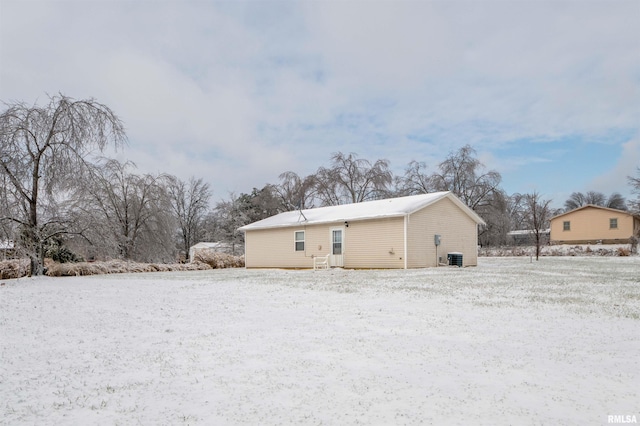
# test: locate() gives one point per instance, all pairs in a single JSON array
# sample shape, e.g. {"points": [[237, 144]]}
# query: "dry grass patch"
{"points": [[117, 267], [18, 268], [15, 268], [219, 260], [622, 251], [203, 260]]}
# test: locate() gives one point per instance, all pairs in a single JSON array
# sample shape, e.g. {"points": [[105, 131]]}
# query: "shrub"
{"points": [[15, 268], [622, 251], [20, 268], [55, 269], [57, 251], [219, 260]]}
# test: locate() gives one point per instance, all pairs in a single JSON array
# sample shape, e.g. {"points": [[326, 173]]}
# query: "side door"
{"points": [[337, 247]]}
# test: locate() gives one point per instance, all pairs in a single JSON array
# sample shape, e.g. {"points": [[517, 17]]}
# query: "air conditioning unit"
{"points": [[455, 259]]}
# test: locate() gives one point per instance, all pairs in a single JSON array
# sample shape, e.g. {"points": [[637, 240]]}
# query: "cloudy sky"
{"points": [[237, 92]]}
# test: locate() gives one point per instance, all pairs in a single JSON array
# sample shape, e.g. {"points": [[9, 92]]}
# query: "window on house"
{"points": [[336, 237], [299, 240], [613, 223], [566, 225]]}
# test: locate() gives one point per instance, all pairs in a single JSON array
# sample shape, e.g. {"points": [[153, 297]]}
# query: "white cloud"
{"points": [[240, 92], [615, 180]]}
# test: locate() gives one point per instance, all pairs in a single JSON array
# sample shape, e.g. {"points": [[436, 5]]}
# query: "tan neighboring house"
{"points": [[594, 224], [406, 232]]}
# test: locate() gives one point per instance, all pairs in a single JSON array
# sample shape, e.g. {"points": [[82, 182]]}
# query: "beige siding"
{"points": [[591, 225], [459, 233], [275, 248], [366, 244], [374, 244]]}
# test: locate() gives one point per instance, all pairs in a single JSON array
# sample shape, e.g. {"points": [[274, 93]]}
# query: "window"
{"points": [[299, 240], [613, 223], [336, 241], [566, 225]]}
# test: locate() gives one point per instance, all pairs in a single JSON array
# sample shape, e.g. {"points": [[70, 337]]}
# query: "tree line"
{"points": [[61, 199]]}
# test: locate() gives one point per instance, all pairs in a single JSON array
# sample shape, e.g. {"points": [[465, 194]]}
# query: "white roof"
{"points": [[208, 245], [392, 207], [528, 232]]}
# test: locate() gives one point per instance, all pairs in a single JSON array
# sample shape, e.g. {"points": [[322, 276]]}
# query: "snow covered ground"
{"points": [[507, 342]]}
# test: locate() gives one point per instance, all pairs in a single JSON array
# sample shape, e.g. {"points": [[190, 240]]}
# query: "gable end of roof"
{"points": [[593, 206]]}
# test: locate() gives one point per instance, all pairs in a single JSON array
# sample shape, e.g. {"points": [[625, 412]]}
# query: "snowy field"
{"points": [[507, 342]]}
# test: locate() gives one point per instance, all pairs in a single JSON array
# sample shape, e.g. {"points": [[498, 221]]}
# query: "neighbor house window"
{"points": [[613, 223], [566, 225], [299, 240]]}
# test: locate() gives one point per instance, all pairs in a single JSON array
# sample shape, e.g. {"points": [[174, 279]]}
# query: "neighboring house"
{"points": [[594, 224], [219, 247], [6, 249], [526, 237], [392, 233]]}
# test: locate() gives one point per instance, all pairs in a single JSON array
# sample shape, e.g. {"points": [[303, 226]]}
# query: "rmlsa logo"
{"points": [[622, 419]]}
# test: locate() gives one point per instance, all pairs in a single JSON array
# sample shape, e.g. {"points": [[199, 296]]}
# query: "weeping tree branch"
{"points": [[41, 146]]}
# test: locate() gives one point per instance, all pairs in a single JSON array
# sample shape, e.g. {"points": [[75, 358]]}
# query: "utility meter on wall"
{"points": [[436, 239]]}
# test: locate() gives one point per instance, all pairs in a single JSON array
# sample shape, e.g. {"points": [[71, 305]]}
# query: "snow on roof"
{"points": [[209, 245], [391, 207], [528, 232]]}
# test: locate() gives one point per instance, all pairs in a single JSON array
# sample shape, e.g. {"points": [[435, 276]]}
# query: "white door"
{"points": [[337, 247]]}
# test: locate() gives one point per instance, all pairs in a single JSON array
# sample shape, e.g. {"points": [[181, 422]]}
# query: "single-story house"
{"points": [[592, 224], [523, 237], [407, 232], [6, 249], [219, 247]]}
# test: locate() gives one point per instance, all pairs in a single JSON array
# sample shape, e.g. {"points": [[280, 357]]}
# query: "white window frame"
{"points": [[333, 231], [296, 240], [613, 221], [566, 225]]}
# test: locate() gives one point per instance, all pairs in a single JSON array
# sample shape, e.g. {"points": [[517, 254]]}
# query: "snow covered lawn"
{"points": [[507, 342]]}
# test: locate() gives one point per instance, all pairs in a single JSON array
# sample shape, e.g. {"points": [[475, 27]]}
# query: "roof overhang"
{"points": [[357, 212], [593, 206]]}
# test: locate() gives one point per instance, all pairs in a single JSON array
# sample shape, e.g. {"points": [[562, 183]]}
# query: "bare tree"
{"points": [[131, 210], [415, 180], [464, 175], [326, 188], [635, 188], [497, 220], [516, 210], [616, 201], [295, 191], [226, 218], [353, 180], [189, 203], [595, 198], [231, 214], [537, 213], [8, 229], [41, 147], [578, 199]]}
